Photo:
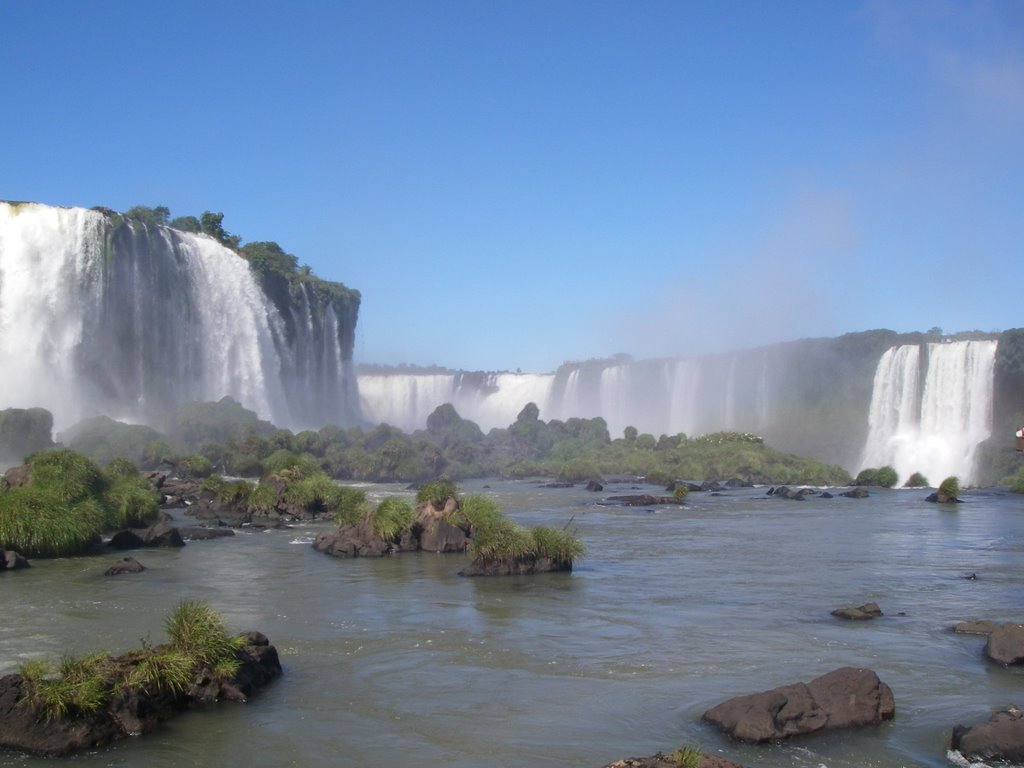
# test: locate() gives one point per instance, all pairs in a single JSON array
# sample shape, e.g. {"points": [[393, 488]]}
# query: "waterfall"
{"points": [[934, 425], [100, 316]]}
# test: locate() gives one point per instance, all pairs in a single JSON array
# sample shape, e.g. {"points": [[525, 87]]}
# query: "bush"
{"points": [[351, 503], [950, 487], [198, 632], [867, 477], [561, 546], [887, 477], [392, 516], [38, 522], [501, 540], [196, 465], [437, 492], [71, 476], [316, 494], [916, 480], [475, 512], [130, 502]]}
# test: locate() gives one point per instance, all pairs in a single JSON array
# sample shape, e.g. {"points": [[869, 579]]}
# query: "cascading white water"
{"points": [[101, 317], [935, 426]]}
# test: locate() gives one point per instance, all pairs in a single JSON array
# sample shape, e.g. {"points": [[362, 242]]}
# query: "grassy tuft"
{"points": [[38, 522], [262, 500], [70, 475], [82, 687], [197, 631], [916, 480], [437, 492], [562, 546], [687, 757], [129, 502], [950, 487], [392, 516], [476, 511], [502, 540], [163, 670]]}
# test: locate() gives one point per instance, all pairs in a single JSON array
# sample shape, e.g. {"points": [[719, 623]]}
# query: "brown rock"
{"points": [[843, 698], [975, 627], [1006, 644], [1000, 738], [858, 613]]}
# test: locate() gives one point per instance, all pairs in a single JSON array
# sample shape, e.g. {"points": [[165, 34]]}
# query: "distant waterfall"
{"points": [[105, 317], [930, 416]]}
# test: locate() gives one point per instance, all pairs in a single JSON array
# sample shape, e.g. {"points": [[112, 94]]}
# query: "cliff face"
{"points": [[101, 314]]}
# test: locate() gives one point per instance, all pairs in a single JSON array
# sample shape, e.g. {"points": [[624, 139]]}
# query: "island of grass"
{"points": [[95, 699], [59, 501], [444, 521]]}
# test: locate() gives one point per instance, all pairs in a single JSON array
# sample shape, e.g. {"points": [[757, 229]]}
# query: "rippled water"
{"points": [[401, 662]]}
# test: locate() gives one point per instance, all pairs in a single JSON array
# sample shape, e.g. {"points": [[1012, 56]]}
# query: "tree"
{"points": [[268, 256], [211, 224], [186, 224], [150, 217]]}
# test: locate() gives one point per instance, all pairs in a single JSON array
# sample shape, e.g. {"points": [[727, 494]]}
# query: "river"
{"points": [[401, 662]]}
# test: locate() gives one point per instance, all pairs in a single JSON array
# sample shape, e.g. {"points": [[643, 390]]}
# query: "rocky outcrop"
{"points": [[125, 565], [131, 712], [661, 760], [975, 627], [156, 535], [844, 698], [858, 612], [1000, 738], [11, 560], [856, 493], [1006, 644], [643, 500], [515, 566]]}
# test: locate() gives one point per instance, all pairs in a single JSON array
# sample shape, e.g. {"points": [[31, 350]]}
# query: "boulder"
{"points": [[1006, 644], [975, 627], [358, 540], [844, 698], [594, 485], [19, 476], [442, 536], [157, 535], [1000, 738], [11, 560], [859, 612], [202, 533], [643, 500], [125, 565]]}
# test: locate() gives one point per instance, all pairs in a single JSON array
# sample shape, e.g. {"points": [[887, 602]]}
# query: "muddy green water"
{"points": [[401, 662]]}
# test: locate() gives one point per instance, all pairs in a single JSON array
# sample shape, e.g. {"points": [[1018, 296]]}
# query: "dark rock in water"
{"points": [[785, 492], [125, 565], [735, 482], [941, 498], [975, 627], [515, 566], [826, 495], [353, 541], [856, 493], [157, 535], [843, 698], [643, 500], [593, 485], [661, 760], [126, 539], [711, 485], [557, 485], [200, 533], [1001, 738], [135, 711], [442, 536], [1006, 644], [858, 613], [11, 560], [971, 577]]}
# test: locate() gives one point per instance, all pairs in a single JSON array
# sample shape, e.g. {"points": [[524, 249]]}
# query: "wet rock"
{"points": [[1006, 644], [156, 535], [515, 566], [859, 612], [844, 698], [202, 533], [358, 540], [594, 486], [442, 536], [661, 760], [125, 565], [642, 500], [856, 493], [12, 561], [1001, 738], [975, 627]]}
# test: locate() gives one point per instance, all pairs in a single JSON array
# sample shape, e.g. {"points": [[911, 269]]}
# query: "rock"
{"points": [[1006, 644], [593, 485], [826, 495], [442, 536], [514, 566], [126, 539], [661, 760], [844, 698], [125, 565], [157, 535], [132, 712], [1001, 738], [358, 540], [11, 560], [201, 533], [856, 493], [19, 476], [858, 613], [975, 627], [941, 498], [643, 500]]}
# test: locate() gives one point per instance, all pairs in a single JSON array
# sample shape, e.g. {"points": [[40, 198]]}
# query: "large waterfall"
{"points": [[657, 396], [102, 315], [930, 409]]}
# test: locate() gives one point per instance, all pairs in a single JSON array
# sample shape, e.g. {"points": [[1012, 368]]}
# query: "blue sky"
{"points": [[516, 184]]}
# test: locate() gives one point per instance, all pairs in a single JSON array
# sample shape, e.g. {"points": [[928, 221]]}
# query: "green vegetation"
{"points": [[950, 488], [437, 492], [1016, 481], [916, 480], [881, 477], [687, 757], [351, 505], [887, 477], [392, 516], [82, 686], [68, 501]]}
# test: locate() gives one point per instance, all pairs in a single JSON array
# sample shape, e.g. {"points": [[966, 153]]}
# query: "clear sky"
{"points": [[516, 184]]}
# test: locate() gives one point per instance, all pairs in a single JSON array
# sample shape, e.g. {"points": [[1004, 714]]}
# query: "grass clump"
{"points": [[70, 475], [316, 494], [475, 512], [437, 492], [82, 686], [262, 500], [350, 505], [887, 477], [162, 671], [130, 502], [502, 540], [562, 546], [687, 757], [294, 466], [39, 522], [916, 480], [392, 516], [950, 488], [198, 631]]}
